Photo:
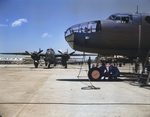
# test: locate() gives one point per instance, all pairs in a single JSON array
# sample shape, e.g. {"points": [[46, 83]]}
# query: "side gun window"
{"points": [[126, 19], [121, 18]]}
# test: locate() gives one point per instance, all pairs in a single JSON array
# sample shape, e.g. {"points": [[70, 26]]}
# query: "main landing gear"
{"points": [[95, 74], [36, 63], [49, 65]]}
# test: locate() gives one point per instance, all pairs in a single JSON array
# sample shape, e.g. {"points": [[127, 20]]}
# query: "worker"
{"points": [[113, 72], [104, 70], [89, 63]]}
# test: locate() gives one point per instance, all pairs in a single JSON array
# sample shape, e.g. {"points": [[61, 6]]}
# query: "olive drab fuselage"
{"points": [[121, 34], [50, 56]]}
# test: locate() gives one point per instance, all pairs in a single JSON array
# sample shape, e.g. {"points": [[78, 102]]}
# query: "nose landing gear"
{"points": [[95, 74]]}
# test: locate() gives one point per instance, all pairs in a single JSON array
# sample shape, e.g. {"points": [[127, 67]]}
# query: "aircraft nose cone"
{"points": [[78, 35], [70, 40]]}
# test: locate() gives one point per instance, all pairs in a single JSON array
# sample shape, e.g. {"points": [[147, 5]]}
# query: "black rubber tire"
{"points": [[95, 71], [54, 64], [36, 65], [66, 65], [49, 65]]}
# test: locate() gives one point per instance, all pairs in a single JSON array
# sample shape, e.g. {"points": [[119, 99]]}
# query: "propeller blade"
{"points": [[60, 52], [28, 52], [40, 51], [72, 53]]}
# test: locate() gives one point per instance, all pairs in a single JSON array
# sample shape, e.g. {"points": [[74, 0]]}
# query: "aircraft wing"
{"points": [[42, 54], [21, 53], [84, 55], [59, 55], [18, 53]]}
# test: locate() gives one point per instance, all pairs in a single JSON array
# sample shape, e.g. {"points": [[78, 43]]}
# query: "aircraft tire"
{"points": [[54, 64], [66, 66], [36, 65], [49, 64], [95, 74]]}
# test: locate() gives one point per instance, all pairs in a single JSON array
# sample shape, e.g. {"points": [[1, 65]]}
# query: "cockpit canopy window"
{"points": [[147, 19], [87, 27]]}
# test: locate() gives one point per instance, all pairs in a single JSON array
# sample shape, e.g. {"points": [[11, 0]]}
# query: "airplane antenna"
{"points": [[137, 10]]}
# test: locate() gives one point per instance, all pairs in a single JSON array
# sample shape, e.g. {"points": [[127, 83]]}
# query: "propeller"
{"points": [[66, 52], [66, 55], [34, 54]]}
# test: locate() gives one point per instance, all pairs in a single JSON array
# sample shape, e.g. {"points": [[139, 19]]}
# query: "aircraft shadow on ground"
{"points": [[41, 68], [132, 82], [64, 68], [48, 68], [87, 80]]}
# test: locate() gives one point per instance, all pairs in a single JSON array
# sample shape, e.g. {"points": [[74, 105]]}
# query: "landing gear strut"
{"points": [[36, 63]]}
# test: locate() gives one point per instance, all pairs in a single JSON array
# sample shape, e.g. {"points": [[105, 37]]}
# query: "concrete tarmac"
{"points": [[26, 91]]}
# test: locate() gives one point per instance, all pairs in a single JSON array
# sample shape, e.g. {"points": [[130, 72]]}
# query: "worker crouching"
{"points": [[113, 72]]}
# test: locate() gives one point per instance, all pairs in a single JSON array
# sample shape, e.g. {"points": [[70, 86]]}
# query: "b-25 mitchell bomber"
{"points": [[49, 57], [126, 34]]}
